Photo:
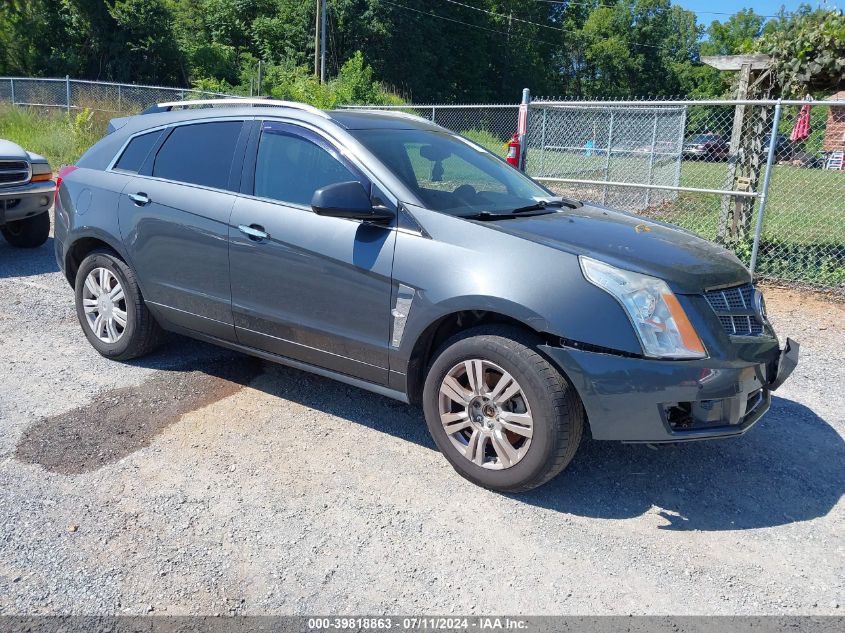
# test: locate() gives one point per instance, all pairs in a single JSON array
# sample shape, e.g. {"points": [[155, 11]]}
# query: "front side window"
{"points": [[291, 168], [449, 174], [199, 154]]}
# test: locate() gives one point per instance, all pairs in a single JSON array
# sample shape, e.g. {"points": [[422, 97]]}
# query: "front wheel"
{"points": [[504, 417], [30, 232]]}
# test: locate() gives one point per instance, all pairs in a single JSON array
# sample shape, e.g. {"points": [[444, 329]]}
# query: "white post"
{"points": [[12, 81], [523, 111], [67, 92]]}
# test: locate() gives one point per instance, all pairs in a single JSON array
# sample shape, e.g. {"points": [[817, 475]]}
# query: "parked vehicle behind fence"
{"points": [[391, 254], [707, 147], [26, 192]]}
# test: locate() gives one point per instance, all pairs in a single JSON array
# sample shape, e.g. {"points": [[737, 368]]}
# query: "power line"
{"points": [[475, 26], [610, 6], [545, 26]]}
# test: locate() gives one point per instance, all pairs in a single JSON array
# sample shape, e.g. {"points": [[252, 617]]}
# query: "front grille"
{"points": [[736, 310], [14, 172]]}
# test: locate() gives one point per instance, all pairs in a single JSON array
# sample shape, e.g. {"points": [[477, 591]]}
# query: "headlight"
{"points": [[658, 318]]}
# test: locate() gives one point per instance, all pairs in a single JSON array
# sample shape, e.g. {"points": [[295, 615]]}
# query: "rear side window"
{"points": [[137, 151], [199, 154], [290, 168]]}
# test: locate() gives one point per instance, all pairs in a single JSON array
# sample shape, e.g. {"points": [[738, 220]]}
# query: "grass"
{"points": [[58, 136], [805, 206]]}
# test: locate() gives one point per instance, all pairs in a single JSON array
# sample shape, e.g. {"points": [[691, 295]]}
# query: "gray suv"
{"points": [[394, 255]]}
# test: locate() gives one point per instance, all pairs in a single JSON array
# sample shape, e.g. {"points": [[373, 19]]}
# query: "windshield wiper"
{"points": [[487, 215], [540, 205]]}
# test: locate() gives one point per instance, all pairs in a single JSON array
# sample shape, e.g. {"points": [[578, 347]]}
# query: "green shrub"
{"points": [[58, 136]]}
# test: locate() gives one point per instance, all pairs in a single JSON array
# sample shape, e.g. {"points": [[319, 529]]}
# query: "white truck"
{"points": [[26, 193]]}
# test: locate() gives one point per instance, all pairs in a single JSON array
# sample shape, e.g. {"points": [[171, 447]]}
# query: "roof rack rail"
{"points": [[294, 105]]}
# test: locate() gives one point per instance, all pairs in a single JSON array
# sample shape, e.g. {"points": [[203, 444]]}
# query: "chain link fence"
{"points": [[489, 125], [764, 178], [98, 96], [702, 165]]}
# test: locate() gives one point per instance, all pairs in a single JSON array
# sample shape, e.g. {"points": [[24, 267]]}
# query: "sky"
{"points": [[708, 10]]}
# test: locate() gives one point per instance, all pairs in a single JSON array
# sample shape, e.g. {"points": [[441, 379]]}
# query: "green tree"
{"points": [[735, 35]]}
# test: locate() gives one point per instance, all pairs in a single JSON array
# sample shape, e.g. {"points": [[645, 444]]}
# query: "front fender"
{"points": [[466, 266]]}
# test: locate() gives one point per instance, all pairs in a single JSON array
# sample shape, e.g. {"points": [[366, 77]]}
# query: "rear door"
{"points": [[315, 288], [174, 218]]}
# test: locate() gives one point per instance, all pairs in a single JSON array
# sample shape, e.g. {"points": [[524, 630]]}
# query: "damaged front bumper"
{"points": [[643, 400]]}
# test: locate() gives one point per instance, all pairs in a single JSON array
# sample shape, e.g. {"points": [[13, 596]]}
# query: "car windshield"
{"points": [[449, 174], [705, 138]]}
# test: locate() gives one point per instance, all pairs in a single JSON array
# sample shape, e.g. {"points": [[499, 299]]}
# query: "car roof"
{"points": [[359, 119], [164, 115]]}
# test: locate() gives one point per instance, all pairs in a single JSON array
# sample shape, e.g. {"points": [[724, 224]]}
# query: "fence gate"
{"points": [[585, 148]]}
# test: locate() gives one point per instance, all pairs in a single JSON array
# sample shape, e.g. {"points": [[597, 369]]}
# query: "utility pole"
{"points": [[317, 41], [323, 44]]}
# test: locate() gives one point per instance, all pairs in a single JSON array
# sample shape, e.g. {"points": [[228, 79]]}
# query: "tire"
{"points": [[544, 396], [139, 333], [30, 232]]}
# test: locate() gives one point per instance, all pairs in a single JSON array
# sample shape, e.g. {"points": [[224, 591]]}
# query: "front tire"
{"points": [[504, 417], [29, 232], [111, 309]]}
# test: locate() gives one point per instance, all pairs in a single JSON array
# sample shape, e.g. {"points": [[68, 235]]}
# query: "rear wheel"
{"points": [[30, 232], [111, 309], [503, 416]]}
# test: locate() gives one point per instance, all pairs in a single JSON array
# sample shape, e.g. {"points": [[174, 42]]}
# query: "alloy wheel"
{"points": [[485, 414], [104, 304]]}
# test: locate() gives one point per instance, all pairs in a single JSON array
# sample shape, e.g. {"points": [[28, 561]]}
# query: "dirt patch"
{"points": [[817, 310], [121, 421]]}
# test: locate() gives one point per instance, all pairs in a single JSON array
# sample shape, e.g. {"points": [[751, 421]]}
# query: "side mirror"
{"points": [[348, 200]]}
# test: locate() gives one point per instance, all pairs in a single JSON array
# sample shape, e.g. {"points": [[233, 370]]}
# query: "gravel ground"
{"points": [[197, 481]]}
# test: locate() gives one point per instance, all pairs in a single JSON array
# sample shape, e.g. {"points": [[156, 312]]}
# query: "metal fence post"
{"points": [[119, 97], [67, 92], [764, 193], [433, 114], [651, 160], [543, 145], [607, 160], [12, 82]]}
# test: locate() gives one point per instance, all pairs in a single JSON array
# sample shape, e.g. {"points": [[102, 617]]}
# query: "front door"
{"points": [[309, 287]]}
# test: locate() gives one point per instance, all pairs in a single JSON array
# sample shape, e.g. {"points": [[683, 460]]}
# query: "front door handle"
{"points": [[139, 198], [254, 232]]}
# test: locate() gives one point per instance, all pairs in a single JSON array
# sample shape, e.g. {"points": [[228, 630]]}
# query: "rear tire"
{"points": [[542, 421], [30, 232], [111, 309]]}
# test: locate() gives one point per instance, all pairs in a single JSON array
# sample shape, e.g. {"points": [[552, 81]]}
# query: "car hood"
{"points": [[688, 263], [12, 151]]}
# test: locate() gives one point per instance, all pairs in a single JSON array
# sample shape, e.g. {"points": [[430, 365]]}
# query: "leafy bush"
{"points": [[354, 84]]}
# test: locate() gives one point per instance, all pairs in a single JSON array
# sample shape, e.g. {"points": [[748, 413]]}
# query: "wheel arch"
{"points": [[85, 244], [447, 325]]}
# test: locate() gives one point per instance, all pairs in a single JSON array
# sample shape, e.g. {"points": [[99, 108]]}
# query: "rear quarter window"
{"points": [[200, 154], [136, 152]]}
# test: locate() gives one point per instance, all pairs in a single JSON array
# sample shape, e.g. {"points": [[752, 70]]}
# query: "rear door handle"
{"points": [[139, 198], [254, 232]]}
